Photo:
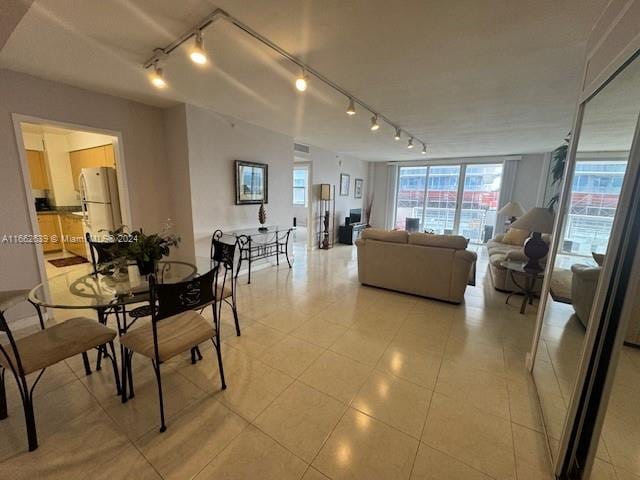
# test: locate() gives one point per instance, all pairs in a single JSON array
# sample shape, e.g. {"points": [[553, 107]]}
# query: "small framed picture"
{"points": [[252, 183], [357, 188], [345, 180]]}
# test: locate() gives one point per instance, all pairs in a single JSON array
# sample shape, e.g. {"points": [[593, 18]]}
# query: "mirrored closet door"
{"points": [[581, 266]]}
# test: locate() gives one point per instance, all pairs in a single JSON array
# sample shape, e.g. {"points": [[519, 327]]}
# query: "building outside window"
{"points": [[429, 195], [594, 198], [300, 182]]}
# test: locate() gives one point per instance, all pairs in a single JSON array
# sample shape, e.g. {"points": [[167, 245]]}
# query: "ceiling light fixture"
{"points": [[157, 76], [410, 143], [351, 109], [302, 81], [424, 149], [198, 54], [374, 123]]}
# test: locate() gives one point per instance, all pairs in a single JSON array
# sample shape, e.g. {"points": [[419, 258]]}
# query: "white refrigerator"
{"points": [[100, 201]]}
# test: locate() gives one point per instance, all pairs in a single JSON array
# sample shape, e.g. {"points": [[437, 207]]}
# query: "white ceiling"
{"points": [[472, 77]]}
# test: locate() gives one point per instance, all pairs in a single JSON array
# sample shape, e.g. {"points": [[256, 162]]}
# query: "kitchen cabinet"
{"points": [[74, 240], [37, 170], [49, 225], [102, 156]]}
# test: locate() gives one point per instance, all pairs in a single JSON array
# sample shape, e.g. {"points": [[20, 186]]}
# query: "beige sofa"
{"points": [[499, 252], [434, 266]]}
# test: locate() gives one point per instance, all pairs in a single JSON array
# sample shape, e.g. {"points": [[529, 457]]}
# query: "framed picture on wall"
{"points": [[345, 180], [357, 188], [252, 183]]}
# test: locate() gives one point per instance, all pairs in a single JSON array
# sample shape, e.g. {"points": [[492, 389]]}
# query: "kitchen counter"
{"points": [[61, 211]]}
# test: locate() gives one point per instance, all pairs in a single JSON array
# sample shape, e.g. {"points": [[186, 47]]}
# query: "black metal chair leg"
{"points": [[193, 356], [114, 363], [30, 420], [219, 353], [124, 377], [85, 361], [130, 374], [235, 318], [156, 368], [3, 397]]}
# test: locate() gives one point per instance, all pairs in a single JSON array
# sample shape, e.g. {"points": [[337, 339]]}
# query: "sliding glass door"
{"points": [[480, 201], [442, 199], [449, 199]]}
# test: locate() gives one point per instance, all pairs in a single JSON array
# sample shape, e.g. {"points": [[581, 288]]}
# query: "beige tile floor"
{"points": [[328, 380]]}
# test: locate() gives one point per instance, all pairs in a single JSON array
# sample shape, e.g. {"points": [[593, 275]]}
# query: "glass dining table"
{"points": [[81, 288]]}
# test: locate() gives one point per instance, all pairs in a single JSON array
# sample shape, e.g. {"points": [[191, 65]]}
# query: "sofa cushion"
{"points": [[455, 242], [515, 236], [393, 236]]}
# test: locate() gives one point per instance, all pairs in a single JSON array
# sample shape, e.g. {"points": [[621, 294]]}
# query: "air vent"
{"points": [[300, 148]]}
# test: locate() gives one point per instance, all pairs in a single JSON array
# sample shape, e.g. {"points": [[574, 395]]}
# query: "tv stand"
{"points": [[348, 234]]}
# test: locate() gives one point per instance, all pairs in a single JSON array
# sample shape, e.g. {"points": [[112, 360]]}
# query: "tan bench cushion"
{"points": [[175, 335], [51, 345]]}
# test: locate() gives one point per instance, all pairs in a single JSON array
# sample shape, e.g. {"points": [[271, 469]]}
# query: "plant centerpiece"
{"points": [[144, 249]]}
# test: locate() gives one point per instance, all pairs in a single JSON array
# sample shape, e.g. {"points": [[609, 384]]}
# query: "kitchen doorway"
{"points": [[75, 185]]}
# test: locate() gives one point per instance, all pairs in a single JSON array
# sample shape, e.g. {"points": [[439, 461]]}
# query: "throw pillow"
{"points": [[515, 236], [598, 257]]}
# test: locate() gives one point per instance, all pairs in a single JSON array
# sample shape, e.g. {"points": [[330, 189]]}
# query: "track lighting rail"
{"points": [[220, 14]]}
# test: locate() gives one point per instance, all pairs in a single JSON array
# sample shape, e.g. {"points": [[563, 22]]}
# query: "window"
{"points": [[429, 197], [300, 178], [594, 198]]}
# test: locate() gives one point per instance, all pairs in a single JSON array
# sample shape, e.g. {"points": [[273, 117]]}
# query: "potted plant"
{"points": [[144, 249]]}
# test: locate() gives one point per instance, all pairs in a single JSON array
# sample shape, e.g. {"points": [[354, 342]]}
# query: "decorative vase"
{"points": [[145, 267], [535, 248], [262, 217]]}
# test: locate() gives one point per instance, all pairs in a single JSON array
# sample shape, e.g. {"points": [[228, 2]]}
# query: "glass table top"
{"points": [[252, 232], [521, 267], [79, 288]]}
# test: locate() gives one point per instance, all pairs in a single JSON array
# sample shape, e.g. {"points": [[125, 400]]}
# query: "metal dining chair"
{"points": [[176, 326], [40, 350], [223, 253]]}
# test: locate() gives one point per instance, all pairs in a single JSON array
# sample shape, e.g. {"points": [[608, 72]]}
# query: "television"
{"points": [[355, 215]]}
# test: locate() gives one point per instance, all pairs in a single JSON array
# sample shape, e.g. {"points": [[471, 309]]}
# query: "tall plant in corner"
{"points": [[558, 159]]}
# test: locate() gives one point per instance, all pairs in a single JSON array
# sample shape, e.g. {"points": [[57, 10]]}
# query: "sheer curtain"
{"points": [[509, 171], [392, 188]]}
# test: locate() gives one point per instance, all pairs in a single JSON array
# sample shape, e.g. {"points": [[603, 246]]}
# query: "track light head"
{"points": [[157, 76], [198, 54], [424, 149], [410, 143], [302, 81], [398, 134], [374, 123], [351, 109]]}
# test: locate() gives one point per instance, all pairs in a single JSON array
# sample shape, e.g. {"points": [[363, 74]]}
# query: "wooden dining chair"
{"points": [[223, 253], [38, 351], [176, 326]]}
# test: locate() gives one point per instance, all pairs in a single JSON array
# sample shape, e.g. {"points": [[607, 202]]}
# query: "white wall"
{"points": [[327, 167], [59, 167], [82, 140], [142, 129], [381, 192], [214, 143], [531, 173]]}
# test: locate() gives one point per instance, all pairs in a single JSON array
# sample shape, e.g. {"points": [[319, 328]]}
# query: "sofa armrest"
{"points": [[360, 242], [499, 237], [586, 272], [516, 256], [466, 256]]}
